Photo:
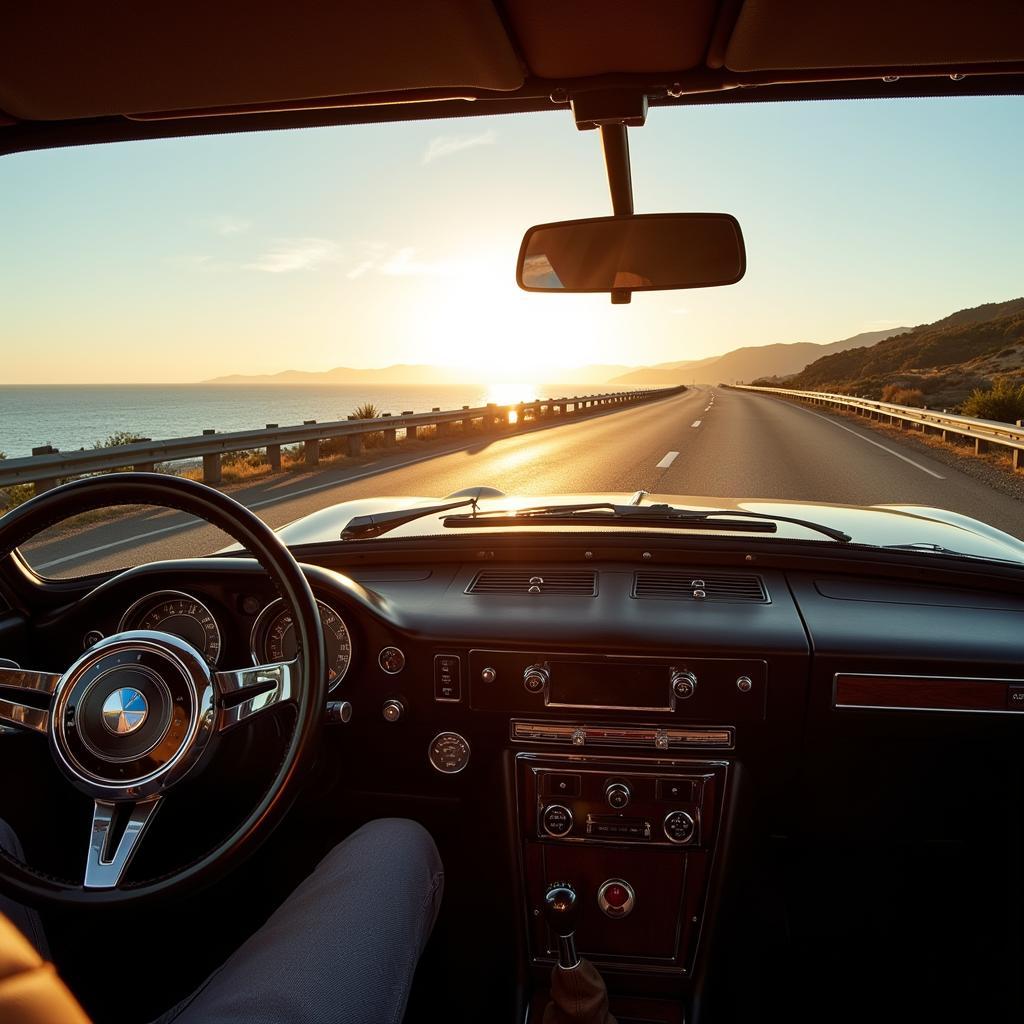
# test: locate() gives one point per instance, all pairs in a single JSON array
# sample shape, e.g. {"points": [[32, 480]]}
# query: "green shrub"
{"points": [[119, 438], [1003, 401]]}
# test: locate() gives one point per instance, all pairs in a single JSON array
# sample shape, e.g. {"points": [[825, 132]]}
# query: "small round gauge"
{"points": [[449, 752], [273, 639], [181, 615]]}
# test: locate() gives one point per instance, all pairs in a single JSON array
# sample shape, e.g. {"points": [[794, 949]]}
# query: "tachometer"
{"points": [[181, 615], [273, 639]]}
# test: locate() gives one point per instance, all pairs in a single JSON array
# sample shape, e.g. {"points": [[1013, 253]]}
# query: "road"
{"points": [[707, 441]]}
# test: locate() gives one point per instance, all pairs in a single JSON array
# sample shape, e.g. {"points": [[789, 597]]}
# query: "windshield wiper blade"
{"points": [[381, 522], [643, 515]]}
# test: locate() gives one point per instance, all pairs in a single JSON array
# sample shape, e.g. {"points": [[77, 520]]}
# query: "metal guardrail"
{"points": [[46, 466], [984, 433]]}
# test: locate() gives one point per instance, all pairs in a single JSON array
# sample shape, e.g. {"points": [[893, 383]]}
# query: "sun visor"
{"points": [[68, 59], [773, 35]]}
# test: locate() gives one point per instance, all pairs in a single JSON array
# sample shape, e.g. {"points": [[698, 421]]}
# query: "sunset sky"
{"points": [[181, 260]]}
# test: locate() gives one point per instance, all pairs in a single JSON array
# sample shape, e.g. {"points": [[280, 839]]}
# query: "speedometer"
{"points": [[181, 615], [273, 639]]}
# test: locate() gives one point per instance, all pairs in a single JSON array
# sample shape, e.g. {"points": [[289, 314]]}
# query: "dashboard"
{"points": [[619, 724]]}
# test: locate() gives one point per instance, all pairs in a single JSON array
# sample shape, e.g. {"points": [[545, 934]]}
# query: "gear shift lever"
{"points": [[578, 993], [561, 911]]}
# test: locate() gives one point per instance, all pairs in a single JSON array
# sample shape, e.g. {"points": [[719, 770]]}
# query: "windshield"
{"points": [[181, 289]]}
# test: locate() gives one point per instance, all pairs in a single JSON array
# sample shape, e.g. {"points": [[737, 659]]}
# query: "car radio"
{"points": [[726, 689]]}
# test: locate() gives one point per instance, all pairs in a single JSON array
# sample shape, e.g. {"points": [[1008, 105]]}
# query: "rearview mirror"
{"points": [[637, 253]]}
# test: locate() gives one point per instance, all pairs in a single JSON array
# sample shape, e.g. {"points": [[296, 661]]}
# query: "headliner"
{"points": [[73, 73]]}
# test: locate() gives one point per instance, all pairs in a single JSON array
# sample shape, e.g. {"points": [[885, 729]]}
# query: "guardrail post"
{"points": [[144, 467], [273, 452], [311, 449], [390, 437], [211, 465], [444, 428], [1018, 455], [49, 482]]}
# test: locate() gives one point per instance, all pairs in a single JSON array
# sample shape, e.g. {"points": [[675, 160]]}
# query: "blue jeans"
{"points": [[342, 949]]}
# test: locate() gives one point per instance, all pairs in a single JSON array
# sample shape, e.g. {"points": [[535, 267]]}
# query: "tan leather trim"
{"points": [[30, 991]]}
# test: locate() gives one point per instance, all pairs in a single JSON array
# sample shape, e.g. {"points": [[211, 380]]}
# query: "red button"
{"points": [[616, 896]]}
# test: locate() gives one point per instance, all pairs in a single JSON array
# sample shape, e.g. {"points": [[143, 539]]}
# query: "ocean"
{"points": [[70, 417]]}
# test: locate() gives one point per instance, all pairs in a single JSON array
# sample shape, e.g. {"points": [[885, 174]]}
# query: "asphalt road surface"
{"points": [[707, 441]]}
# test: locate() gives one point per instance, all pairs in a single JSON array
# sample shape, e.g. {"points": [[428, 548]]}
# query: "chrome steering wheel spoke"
{"points": [[26, 716], [117, 829], [246, 692]]}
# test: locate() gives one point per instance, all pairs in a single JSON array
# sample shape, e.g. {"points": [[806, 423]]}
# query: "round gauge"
{"points": [[449, 752], [181, 615], [273, 639]]}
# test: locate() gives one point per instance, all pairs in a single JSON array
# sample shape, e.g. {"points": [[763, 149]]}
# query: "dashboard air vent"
{"points": [[560, 582], [692, 586]]}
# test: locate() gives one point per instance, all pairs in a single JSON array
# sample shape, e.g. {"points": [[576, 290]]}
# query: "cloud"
{"points": [[293, 254], [402, 263], [226, 224], [446, 145]]}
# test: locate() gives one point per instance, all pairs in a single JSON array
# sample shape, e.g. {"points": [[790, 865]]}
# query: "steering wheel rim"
{"points": [[29, 885]]}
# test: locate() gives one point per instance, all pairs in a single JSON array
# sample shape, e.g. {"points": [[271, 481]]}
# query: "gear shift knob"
{"points": [[561, 911]]}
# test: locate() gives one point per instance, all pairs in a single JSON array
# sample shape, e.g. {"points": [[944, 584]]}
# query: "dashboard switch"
{"points": [[1015, 697], [616, 898], [447, 678], [392, 710]]}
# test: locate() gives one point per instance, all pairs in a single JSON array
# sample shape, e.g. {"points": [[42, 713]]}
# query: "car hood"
{"points": [[878, 525]]}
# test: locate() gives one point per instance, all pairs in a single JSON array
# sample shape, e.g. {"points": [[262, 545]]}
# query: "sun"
{"points": [[479, 322]]}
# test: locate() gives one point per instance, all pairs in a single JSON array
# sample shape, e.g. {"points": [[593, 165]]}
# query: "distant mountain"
{"points": [[745, 364], [407, 373]]}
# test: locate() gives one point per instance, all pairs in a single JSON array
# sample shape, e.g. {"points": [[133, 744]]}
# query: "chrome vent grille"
{"points": [[559, 582], [694, 586]]}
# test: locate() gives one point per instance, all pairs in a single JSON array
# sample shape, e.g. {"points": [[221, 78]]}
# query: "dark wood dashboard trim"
{"points": [[963, 694]]}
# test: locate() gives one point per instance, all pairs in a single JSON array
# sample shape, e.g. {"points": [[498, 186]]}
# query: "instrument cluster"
{"points": [[271, 639]]}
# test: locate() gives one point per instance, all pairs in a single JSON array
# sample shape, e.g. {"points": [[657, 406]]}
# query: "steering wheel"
{"points": [[141, 710]]}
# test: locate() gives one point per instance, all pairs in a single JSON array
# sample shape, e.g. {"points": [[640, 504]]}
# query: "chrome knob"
{"points": [[684, 684], [488, 674], [679, 826], [339, 711], [392, 710], [617, 795], [535, 678]]}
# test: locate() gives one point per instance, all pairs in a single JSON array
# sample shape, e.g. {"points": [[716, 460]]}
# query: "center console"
{"points": [[621, 780], [636, 837]]}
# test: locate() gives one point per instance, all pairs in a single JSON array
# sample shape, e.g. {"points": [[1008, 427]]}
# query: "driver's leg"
{"points": [[343, 947], [25, 919]]}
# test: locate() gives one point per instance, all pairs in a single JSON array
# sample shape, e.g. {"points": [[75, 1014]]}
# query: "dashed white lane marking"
{"points": [[695, 423], [707, 408], [668, 460], [885, 448]]}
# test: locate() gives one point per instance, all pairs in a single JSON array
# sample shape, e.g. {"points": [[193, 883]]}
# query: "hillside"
{"points": [[946, 360], [747, 363]]}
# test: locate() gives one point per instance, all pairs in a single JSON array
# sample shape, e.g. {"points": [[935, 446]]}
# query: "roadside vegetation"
{"points": [[237, 467], [1003, 401]]}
